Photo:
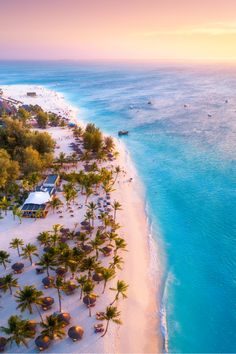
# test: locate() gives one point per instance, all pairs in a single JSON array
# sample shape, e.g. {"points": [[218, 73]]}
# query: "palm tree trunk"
{"points": [[10, 288], [18, 250], [39, 312], [106, 329], [90, 313], [59, 299], [105, 283], [30, 258]]}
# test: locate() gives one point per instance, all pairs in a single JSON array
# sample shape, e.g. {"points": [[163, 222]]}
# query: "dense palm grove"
{"points": [[70, 261]]}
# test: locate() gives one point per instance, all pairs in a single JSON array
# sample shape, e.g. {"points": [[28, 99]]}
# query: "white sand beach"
{"points": [[139, 312]]}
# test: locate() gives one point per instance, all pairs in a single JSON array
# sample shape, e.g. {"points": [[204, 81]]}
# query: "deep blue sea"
{"points": [[186, 158]]}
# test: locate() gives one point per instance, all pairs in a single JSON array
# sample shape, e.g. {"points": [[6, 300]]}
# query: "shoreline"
{"points": [[140, 311]]}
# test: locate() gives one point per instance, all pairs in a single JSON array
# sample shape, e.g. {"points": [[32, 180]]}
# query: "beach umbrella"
{"points": [[87, 248], [75, 333], [31, 326], [97, 277], [3, 342], [70, 287], [89, 300], [64, 318], [48, 282], [18, 267], [61, 271], [42, 342], [106, 250], [47, 302]]}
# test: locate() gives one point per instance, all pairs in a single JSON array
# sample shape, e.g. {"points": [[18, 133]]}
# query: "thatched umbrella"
{"points": [[75, 333], [31, 326], [89, 300], [3, 342], [61, 271], [107, 250], [84, 223], [42, 342], [48, 282], [64, 318], [87, 248], [97, 277], [47, 302], [18, 267], [70, 287]]}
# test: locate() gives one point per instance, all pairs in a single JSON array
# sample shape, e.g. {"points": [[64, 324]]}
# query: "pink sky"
{"points": [[124, 29]]}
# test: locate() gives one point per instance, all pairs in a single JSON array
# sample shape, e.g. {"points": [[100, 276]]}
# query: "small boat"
{"points": [[123, 132]]}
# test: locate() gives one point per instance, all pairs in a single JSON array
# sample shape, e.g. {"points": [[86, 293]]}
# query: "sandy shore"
{"points": [[139, 332]]}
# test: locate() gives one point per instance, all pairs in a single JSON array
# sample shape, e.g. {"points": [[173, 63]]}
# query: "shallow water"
{"points": [[186, 159]]}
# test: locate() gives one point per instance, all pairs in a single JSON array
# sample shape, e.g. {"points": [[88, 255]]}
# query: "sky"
{"points": [[175, 30]]}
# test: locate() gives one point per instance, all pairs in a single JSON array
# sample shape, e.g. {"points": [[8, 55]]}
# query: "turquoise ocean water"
{"points": [[186, 159]]}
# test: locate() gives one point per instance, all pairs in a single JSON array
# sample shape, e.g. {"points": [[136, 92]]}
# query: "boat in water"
{"points": [[123, 132]]}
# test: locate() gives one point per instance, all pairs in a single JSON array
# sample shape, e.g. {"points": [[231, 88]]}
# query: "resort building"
{"points": [[36, 205], [51, 181]]}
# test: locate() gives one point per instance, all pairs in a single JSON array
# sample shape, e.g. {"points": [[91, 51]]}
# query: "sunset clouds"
{"points": [[112, 29]]}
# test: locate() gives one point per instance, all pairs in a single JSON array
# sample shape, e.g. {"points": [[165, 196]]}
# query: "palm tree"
{"points": [[4, 204], [107, 274], [17, 331], [27, 297], [120, 244], [117, 262], [15, 211], [28, 251], [81, 281], [52, 327], [111, 314], [88, 288], [59, 286], [47, 261], [89, 264], [44, 238], [16, 243], [73, 266], [117, 172], [18, 212], [9, 282], [116, 206], [4, 258], [109, 143], [55, 203], [62, 158], [96, 243], [121, 288]]}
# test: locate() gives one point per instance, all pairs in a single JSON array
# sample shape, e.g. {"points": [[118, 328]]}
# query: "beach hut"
{"points": [[18, 267], [42, 342], [76, 333], [64, 318], [3, 342], [47, 303], [35, 205]]}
